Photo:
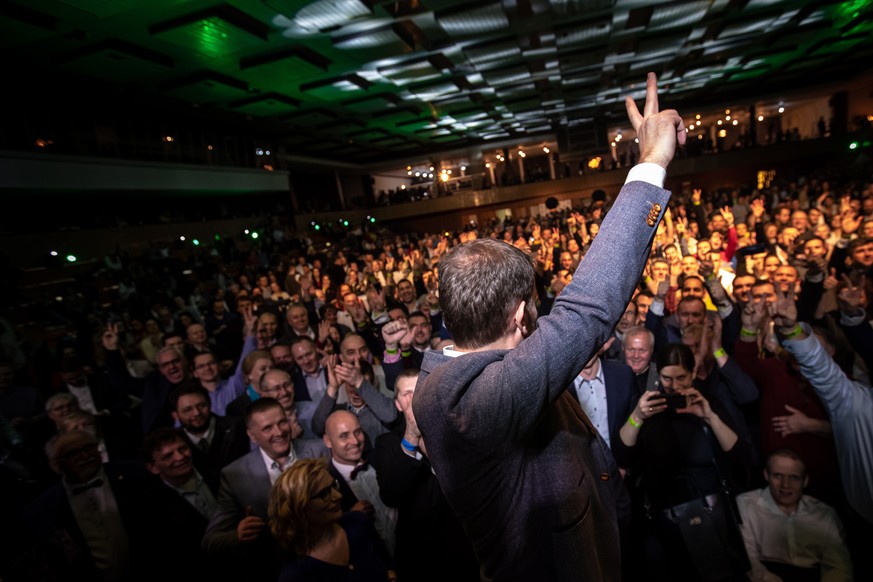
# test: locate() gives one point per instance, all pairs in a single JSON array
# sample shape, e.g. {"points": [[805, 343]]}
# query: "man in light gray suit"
{"points": [[519, 462], [238, 532]]}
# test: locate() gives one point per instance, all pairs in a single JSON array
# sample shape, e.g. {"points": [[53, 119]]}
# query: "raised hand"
{"points": [[754, 315], [110, 337], [831, 281], [658, 131], [784, 310], [696, 194], [851, 297], [727, 215], [329, 362], [350, 374], [393, 332], [250, 321], [757, 208]]}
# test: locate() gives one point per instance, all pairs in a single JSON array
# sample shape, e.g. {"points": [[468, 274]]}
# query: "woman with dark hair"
{"points": [[306, 519], [677, 446]]}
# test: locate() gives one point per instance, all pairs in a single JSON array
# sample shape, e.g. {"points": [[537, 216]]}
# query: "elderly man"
{"points": [[790, 535], [494, 409], [639, 351], [155, 388]]}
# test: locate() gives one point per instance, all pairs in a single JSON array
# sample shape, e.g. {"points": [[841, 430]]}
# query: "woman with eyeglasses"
{"points": [[306, 519]]}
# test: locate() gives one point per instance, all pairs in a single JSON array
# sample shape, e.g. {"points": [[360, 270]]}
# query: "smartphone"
{"points": [[675, 401]]}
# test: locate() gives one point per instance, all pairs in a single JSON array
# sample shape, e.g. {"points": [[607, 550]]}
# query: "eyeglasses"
{"points": [[277, 387], [87, 449], [325, 493], [169, 363], [211, 364]]}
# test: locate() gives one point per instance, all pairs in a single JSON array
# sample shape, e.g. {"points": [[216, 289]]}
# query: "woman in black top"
{"points": [[678, 446]]}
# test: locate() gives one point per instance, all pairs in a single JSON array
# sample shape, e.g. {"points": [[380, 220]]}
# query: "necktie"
{"points": [[89, 485], [203, 445], [362, 467]]}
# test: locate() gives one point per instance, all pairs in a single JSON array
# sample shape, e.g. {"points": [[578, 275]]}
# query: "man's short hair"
{"points": [[262, 404], [690, 299], [635, 331], [858, 242], [408, 373], [186, 389], [481, 284], [788, 454], [301, 339], [61, 397], [418, 313], [157, 439], [397, 305]]}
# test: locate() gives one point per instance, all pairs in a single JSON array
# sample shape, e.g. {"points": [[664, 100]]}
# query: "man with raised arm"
{"points": [[518, 460]]}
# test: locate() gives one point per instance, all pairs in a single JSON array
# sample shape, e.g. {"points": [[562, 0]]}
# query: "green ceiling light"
{"points": [[254, 234], [195, 242], [317, 227], [217, 237], [372, 219], [345, 222], [71, 258], [853, 145]]}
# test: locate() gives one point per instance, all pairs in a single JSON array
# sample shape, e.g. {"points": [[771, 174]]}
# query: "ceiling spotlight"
{"points": [[727, 117], [417, 174], [781, 110], [612, 144], [697, 116], [636, 140], [463, 168], [727, 111], [487, 164], [546, 150], [734, 122], [408, 172], [719, 122], [760, 118], [431, 168]]}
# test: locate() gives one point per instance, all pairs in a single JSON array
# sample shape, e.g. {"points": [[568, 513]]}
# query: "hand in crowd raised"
{"points": [[349, 374], [333, 381], [250, 321], [794, 423], [851, 297], [110, 336], [727, 215], [323, 331], [784, 310]]}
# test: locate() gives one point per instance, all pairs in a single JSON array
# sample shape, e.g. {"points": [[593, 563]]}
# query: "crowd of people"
{"points": [[257, 421]]}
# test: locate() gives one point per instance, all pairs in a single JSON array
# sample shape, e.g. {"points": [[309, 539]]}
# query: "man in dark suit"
{"points": [[87, 526], [216, 441], [427, 530], [515, 455], [154, 388], [605, 391], [178, 505]]}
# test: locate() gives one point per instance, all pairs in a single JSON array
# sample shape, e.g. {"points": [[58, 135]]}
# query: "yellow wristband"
{"points": [[719, 353], [749, 332], [634, 423], [798, 329]]}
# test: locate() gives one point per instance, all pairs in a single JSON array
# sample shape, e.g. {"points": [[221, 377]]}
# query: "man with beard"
{"points": [[216, 441]]}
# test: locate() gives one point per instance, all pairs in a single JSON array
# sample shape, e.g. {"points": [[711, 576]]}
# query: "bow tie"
{"points": [[89, 485], [359, 469]]}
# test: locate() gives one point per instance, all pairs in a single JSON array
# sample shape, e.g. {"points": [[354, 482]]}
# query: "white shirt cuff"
{"points": [[657, 306], [647, 172]]}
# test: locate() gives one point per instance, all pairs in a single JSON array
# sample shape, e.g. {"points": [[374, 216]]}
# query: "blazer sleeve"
{"points": [[582, 318]]}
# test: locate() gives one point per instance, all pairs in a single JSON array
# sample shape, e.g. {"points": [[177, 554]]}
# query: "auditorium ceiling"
{"points": [[364, 81]]}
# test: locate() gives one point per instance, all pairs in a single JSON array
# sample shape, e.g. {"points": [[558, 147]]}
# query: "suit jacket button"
{"points": [[604, 476], [656, 208], [650, 221]]}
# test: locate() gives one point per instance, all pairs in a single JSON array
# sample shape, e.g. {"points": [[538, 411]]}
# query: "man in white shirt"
{"points": [[788, 533]]}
